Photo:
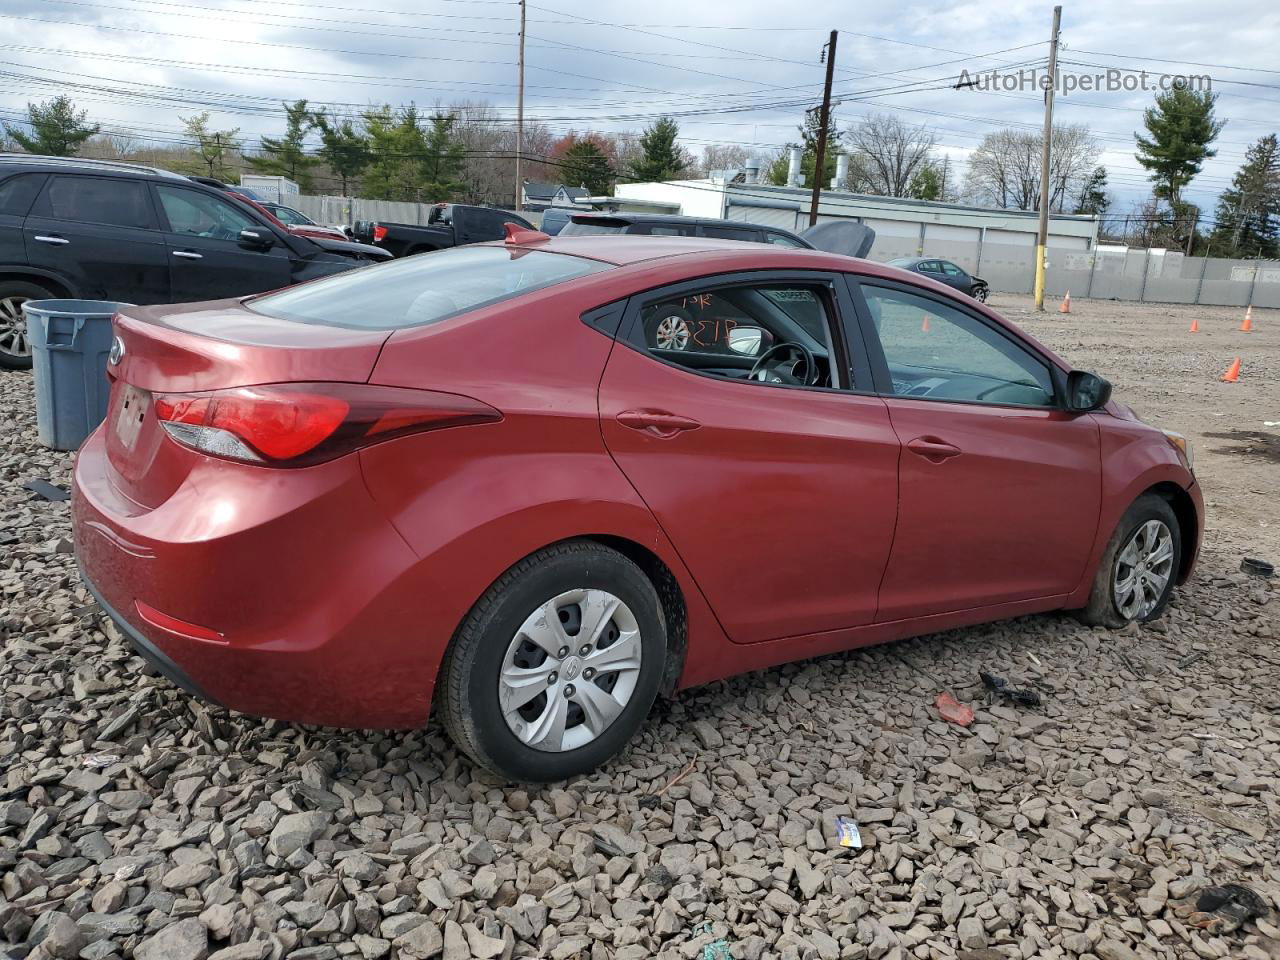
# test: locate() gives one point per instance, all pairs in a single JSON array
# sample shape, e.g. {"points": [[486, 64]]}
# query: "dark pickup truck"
{"points": [[449, 225]]}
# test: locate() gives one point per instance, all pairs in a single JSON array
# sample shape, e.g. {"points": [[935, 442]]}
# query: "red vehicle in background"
{"points": [[286, 218], [492, 479]]}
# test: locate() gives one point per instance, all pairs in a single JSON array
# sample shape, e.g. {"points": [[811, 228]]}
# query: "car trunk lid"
{"points": [[209, 346]]}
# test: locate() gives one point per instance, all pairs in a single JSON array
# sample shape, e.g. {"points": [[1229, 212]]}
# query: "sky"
{"points": [[729, 72]]}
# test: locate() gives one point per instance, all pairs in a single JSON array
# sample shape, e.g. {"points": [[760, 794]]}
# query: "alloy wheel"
{"points": [[13, 328], [672, 334], [570, 670], [1142, 570]]}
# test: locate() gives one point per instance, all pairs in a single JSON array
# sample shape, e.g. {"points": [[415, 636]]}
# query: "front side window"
{"points": [[290, 216], [937, 352], [119, 203], [425, 289], [196, 214], [767, 333], [950, 269]]}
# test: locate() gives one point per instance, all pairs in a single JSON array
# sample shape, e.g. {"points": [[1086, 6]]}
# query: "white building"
{"points": [[998, 245]]}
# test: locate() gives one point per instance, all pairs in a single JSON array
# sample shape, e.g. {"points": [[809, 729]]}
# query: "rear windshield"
{"points": [[423, 289]]}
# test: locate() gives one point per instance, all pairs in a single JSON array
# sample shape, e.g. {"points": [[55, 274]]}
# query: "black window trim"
{"points": [[41, 210], [880, 365], [840, 305]]}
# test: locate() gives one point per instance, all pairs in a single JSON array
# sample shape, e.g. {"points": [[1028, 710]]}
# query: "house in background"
{"points": [[538, 196]]}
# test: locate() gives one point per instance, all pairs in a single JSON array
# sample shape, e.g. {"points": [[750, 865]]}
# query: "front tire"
{"points": [[556, 666], [980, 294], [1136, 577], [15, 349]]}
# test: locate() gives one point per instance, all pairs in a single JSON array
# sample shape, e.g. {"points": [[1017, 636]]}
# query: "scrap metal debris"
{"points": [[847, 833], [1000, 687], [952, 710], [47, 490], [1227, 908]]}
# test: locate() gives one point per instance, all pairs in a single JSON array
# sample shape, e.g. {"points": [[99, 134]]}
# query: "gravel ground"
{"points": [[137, 822]]}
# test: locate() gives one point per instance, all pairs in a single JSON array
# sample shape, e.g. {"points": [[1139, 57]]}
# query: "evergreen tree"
{"points": [[662, 159], [57, 130], [442, 157], [287, 156], [1248, 214], [1093, 197], [926, 184], [585, 165], [1180, 128], [214, 147], [395, 143], [809, 157], [343, 148]]}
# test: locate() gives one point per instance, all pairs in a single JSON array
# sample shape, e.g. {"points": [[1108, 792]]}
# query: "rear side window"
{"points": [[16, 193], [731, 233], [120, 203], [782, 240], [424, 289]]}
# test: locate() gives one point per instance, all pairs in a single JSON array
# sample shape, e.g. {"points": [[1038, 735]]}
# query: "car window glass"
{"points": [[196, 214], [290, 216], [950, 269], [660, 230], [575, 229], [930, 266], [420, 290], [728, 331], [120, 203], [937, 352], [16, 193], [731, 233], [782, 240]]}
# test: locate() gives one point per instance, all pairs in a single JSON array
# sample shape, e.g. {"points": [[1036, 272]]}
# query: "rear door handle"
{"points": [[659, 423], [188, 254], [56, 241], [933, 449]]}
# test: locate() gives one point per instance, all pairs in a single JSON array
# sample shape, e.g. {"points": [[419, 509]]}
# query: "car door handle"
{"points": [[933, 449], [659, 423], [188, 254], [56, 241]]}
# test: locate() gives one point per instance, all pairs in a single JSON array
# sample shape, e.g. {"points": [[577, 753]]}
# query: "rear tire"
{"points": [[1135, 578], [578, 716], [15, 350]]}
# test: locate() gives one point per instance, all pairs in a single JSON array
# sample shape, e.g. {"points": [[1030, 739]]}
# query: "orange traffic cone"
{"points": [[1066, 303], [1247, 325], [1195, 325], [1233, 372], [924, 324]]}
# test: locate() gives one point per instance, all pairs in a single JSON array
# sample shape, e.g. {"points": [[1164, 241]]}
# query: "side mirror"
{"points": [[746, 340], [257, 239], [1086, 391]]}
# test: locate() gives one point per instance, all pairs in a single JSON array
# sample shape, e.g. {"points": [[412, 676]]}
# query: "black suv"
{"points": [[105, 230]]}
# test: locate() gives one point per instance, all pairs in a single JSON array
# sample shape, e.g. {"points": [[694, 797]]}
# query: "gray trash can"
{"points": [[69, 340]]}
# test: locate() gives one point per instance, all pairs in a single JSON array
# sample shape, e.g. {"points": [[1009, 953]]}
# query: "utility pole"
{"points": [[520, 118], [1042, 239], [824, 119]]}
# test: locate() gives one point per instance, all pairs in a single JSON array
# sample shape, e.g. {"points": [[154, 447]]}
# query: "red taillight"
{"points": [[378, 233], [305, 423]]}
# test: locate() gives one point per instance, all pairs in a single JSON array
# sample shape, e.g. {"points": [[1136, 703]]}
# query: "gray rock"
{"points": [[184, 940], [296, 831]]}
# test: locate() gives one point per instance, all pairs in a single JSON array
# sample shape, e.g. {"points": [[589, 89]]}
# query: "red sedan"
{"points": [[491, 477]]}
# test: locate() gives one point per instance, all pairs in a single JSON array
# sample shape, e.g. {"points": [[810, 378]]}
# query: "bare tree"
{"points": [[1005, 168], [885, 155], [723, 156]]}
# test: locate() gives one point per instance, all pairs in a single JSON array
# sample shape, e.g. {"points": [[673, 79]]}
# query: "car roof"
{"points": [[673, 218], [85, 165]]}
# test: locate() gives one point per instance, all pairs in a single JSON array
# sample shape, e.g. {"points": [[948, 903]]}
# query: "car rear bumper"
{"points": [[283, 594]]}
